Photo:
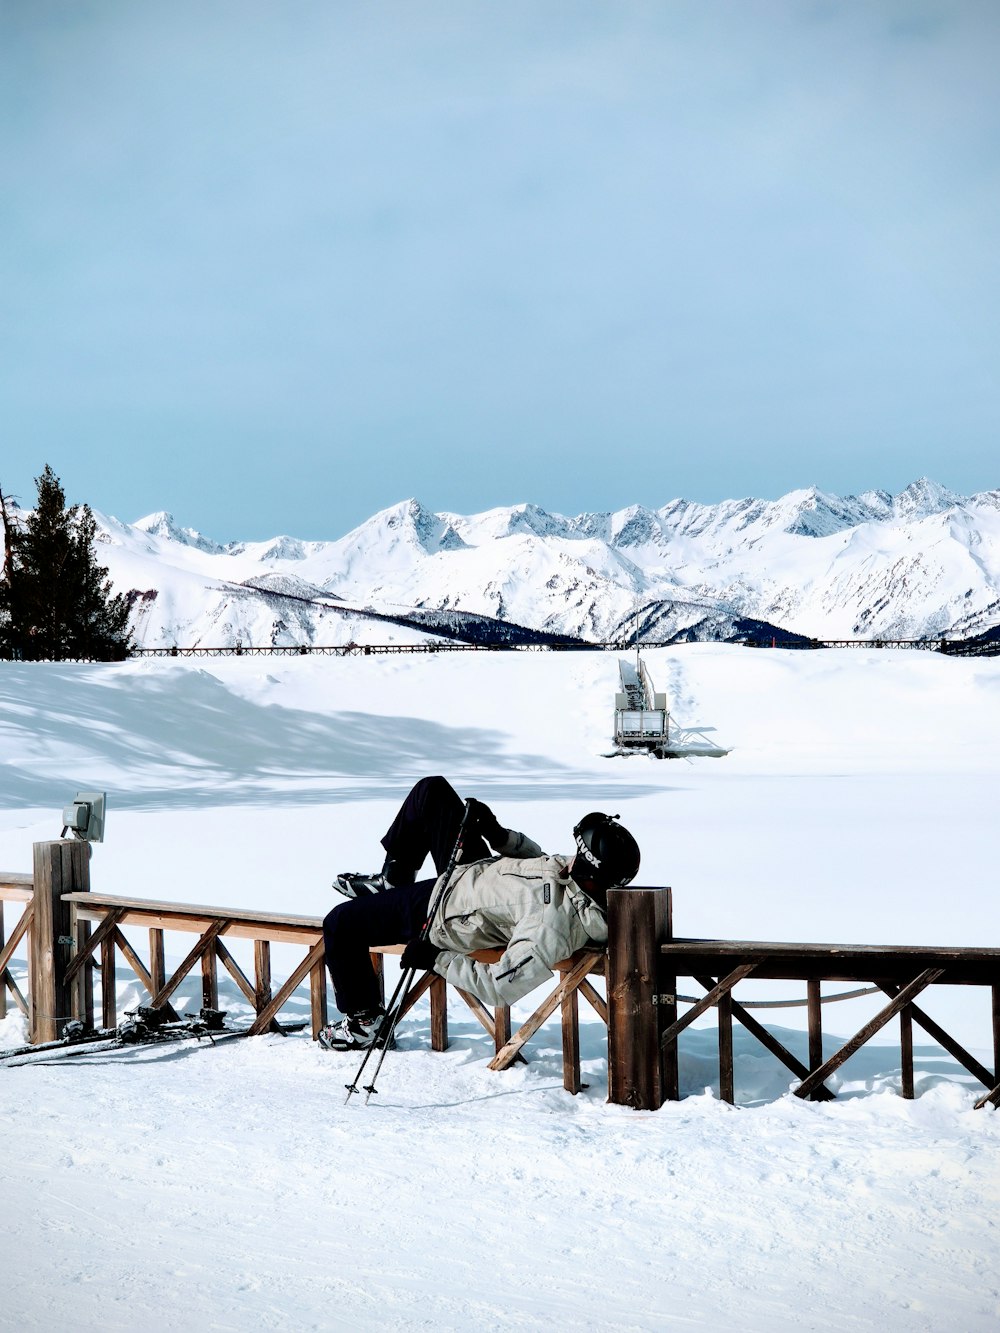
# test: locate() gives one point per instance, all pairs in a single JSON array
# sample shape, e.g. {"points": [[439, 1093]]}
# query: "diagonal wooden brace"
{"points": [[771, 1042], [595, 999], [238, 975], [416, 992], [139, 968], [262, 1022], [480, 1011], [990, 1099], [505, 1057], [7, 953], [206, 942], [17, 935], [944, 1039], [706, 1002], [235, 971], [107, 928], [903, 998]]}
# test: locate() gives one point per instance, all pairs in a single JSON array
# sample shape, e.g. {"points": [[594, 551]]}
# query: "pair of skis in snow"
{"points": [[142, 1027]]}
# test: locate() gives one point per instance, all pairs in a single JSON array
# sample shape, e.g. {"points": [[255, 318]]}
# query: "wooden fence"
{"points": [[75, 936], [72, 933], [900, 972]]}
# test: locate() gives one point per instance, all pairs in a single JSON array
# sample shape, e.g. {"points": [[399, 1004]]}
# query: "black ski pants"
{"points": [[427, 822]]}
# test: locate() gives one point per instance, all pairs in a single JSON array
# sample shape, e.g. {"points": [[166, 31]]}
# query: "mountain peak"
{"points": [[412, 524], [923, 498], [162, 524]]}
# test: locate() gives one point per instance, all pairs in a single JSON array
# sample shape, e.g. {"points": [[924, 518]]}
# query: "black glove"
{"points": [[420, 955], [486, 824]]}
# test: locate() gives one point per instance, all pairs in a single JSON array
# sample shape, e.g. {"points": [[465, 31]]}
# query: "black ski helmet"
{"points": [[609, 850]]}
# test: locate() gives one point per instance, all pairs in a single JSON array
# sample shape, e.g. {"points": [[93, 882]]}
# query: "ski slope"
{"points": [[233, 1188]]}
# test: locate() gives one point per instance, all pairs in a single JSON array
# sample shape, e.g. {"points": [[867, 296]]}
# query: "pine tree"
{"points": [[55, 599]]}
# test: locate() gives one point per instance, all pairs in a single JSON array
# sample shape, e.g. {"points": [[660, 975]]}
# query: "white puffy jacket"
{"points": [[525, 904]]}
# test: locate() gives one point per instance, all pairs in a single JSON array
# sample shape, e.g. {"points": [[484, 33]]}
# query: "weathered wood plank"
{"points": [[778, 949], [571, 1042], [905, 995], [59, 867], [16, 888], [157, 960], [317, 997], [83, 985], [906, 1052], [109, 990], [833, 962], [262, 973], [501, 1026], [209, 979], [814, 1006], [727, 1078], [199, 912], [196, 924], [378, 964], [439, 1013], [16, 896], [7, 982]]}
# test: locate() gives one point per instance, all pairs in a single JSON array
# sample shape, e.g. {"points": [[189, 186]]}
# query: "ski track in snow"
{"points": [[193, 1189], [230, 1187]]}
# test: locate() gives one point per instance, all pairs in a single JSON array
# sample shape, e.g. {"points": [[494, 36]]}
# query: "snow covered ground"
{"points": [[189, 1189]]}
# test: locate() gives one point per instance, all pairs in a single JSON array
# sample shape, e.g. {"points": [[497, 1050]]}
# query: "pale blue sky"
{"points": [[274, 266]]}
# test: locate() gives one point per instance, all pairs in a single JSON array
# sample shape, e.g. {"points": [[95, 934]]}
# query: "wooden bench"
{"points": [[112, 914]]}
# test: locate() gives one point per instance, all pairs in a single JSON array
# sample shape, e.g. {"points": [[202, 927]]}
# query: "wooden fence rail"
{"points": [[72, 932]]}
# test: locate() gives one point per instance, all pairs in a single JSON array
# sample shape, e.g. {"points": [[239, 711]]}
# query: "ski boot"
{"points": [[391, 876], [355, 1032]]}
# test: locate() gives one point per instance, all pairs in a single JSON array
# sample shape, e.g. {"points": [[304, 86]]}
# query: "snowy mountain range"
{"points": [[924, 563]]}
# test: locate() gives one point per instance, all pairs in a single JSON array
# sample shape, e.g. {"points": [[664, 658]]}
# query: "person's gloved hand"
{"points": [[420, 955], [486, 824]]}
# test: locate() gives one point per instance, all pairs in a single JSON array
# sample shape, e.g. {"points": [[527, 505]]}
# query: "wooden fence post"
{"points": [[59, 867], [641, 998]]}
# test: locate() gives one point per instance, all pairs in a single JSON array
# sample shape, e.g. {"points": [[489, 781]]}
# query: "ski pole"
{"points": [[386, 1034], [392, 1015]]}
